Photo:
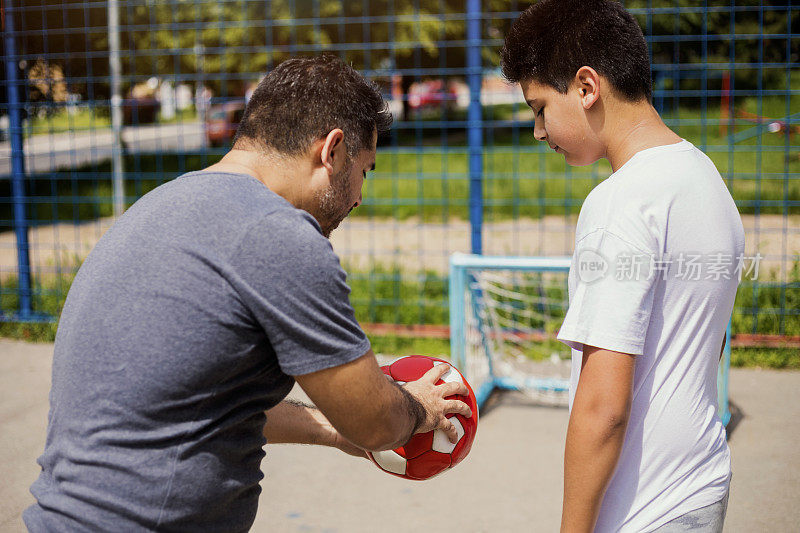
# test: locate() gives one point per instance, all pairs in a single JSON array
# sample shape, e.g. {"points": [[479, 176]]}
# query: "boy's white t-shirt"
{"points": [[658, 248]]}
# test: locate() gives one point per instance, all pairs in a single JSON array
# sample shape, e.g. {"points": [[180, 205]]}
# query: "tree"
{"points": [[230, 43]]}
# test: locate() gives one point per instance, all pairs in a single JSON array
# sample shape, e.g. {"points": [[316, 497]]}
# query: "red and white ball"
{"points": [[428, 454]]}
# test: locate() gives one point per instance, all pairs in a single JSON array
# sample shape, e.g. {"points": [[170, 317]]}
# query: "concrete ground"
{"points": [[510, 482]]}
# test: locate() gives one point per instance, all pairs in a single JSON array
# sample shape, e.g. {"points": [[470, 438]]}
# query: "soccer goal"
{"points": [[505, 313]]}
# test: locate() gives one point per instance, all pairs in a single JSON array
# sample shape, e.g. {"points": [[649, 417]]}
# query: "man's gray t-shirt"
{"points": [[185, 323]]}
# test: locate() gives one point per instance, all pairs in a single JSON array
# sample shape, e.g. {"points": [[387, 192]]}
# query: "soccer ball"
{"points": [[428, 454]]}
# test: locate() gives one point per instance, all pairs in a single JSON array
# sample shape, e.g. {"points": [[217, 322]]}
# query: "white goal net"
{"points": [[504, 316]]}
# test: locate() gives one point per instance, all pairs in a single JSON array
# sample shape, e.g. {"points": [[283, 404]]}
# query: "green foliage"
{"points": [[778, 358], [49, 294], [388, 295], [248, 38], [768, 306], [400, 346], [84, 119], [686, 17], [240, 39]]}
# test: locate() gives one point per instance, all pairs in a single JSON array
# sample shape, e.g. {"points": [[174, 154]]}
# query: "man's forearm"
{"points": [[375, 414], [295, 422], [592, 451]]}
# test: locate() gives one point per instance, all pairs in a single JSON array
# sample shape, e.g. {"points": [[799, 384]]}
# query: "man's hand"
{"points": [[331, 437], [346, 446], [375, 414], [432, 399]]}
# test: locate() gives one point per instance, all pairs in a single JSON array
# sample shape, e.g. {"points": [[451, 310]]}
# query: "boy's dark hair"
{"points": [[552, 39], [303, 99]]}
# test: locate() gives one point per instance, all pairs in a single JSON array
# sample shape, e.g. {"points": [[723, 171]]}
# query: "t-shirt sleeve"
{"points": [[295, 288], [611, 302]]}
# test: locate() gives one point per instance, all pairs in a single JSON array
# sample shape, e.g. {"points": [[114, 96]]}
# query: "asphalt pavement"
{"points": [[510, 482]]}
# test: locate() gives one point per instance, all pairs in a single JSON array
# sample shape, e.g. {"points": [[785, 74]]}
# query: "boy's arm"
{"points": [[595, 434]]}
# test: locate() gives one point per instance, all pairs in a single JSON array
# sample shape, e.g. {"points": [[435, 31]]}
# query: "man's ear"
{"points": [[332, 154], [587, 81]]}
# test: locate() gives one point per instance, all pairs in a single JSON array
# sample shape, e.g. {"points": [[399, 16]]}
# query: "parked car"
{"points": [[222, 122], [140, 110], [432, 94]]}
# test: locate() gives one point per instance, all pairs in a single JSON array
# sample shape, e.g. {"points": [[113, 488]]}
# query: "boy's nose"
{"points": [[539, 132]]}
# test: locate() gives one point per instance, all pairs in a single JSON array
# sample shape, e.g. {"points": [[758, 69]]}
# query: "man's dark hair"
{"points": [[303, 99], [552, 39]]}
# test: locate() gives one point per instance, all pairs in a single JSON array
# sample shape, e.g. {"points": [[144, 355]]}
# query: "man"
{"points": [[199, 309], [646, 449]]}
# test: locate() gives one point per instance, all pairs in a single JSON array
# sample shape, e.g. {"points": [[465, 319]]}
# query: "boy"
{"points": [[645, 449]]}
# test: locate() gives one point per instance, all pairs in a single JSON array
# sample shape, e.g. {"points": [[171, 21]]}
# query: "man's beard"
{"points": [[333, 205]]}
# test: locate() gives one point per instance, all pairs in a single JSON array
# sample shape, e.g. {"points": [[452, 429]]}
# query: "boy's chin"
{"points": [[579, 160]]}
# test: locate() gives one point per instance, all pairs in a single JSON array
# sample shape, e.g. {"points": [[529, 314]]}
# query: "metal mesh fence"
{"points": [[459, 171]]}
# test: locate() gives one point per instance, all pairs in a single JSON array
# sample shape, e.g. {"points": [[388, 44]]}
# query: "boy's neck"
{"points": [[633, 128]]}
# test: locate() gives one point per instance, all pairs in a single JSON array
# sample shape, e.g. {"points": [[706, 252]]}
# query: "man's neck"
{"points": [[635, 127], [281, 175]]}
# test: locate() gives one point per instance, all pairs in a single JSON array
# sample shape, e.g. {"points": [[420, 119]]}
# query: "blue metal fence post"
{"points": [[475, 124], [17, 164]]}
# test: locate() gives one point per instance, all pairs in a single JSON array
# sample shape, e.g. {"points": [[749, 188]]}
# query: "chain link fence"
{"points": [[103, 101]]}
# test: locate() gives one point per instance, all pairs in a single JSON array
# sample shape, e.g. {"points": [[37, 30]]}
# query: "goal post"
{"points": [[505, 312], [501, 310]]}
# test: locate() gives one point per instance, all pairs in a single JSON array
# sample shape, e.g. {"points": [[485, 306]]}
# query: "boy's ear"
{"points": [[587, 81]]}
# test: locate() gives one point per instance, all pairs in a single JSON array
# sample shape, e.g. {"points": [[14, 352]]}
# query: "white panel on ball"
{"points": [[440, 441], [390, 461]]}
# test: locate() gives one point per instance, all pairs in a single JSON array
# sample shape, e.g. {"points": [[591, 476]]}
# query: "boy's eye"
{"points": [[541, 112]]}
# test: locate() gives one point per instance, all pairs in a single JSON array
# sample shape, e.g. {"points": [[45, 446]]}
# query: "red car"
{"points": [[432, 93], [222, 122]]}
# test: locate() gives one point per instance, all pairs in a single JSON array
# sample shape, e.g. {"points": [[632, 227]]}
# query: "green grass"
{"points": [[88, 119], [777, 358], [48, 299], [400, 346], [390, 296], [61, 121], [759, 304]]}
